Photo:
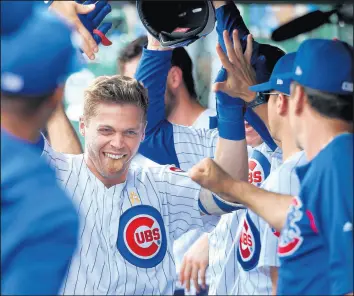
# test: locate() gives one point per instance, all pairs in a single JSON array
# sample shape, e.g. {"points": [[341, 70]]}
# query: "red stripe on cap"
{"points": [[104, 40], [335, 39]]}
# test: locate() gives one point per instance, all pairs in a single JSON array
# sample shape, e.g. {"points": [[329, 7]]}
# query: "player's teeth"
{"points": [[114, 156]]}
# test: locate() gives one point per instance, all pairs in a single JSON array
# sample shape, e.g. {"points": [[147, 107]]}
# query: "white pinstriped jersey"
{"points": [[127, 231], [255, 246], [222, 254]]}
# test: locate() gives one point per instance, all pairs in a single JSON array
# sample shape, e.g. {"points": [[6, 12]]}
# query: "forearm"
{"points": [[62, 136], [152, 73], [272, 207], [232, 157]]}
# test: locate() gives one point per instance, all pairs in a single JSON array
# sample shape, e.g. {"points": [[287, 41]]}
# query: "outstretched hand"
{"points": [[240, 74]]}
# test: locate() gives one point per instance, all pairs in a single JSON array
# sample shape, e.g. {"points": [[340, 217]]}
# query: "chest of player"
{"points": [[123, 235], [301, 247]]}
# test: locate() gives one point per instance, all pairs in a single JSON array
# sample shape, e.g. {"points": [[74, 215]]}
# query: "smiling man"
{"points": [[131, 214]]}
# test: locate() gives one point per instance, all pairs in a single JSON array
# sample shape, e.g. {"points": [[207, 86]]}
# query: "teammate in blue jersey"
{"points": [[316, 239], [39, 225]]}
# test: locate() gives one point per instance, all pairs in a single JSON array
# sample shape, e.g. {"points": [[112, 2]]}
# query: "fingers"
{"points": [[223, 57], [187, 276], [90, 46], [249, 49], [101, 15], [181, 272], [229, 48], [202, 275], [84, 9], [195, 277], [98, 8]]}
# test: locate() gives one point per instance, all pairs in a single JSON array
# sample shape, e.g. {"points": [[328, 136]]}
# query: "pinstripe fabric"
{"points": [[257, 281], [98, 267], [223, 240]]}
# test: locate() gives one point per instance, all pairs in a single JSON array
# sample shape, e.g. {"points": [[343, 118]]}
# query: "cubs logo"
{"points": [[259, 168], [290, 238], [142, 236], [249, 246]]}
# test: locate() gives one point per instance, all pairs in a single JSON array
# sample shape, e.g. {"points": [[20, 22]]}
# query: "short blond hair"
{"points": [[114, 89]]}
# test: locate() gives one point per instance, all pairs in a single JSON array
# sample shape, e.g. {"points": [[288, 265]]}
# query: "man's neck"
{"points": [[287, 143], [315, 139], [186, 111], [20, 127]]}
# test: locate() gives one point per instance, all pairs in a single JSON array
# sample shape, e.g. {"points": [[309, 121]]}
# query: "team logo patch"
{"points": [[142, 236], [290, 238], [258, 168], [175, 169], [249, 246]]}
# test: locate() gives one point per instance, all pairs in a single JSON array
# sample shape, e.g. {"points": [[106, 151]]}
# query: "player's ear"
{"points": [[299, 98], [82, 126], [57, 97], [175, 77], [282, 104]]}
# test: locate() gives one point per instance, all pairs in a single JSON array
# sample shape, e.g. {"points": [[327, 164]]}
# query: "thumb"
{"points": [[84, 9]]}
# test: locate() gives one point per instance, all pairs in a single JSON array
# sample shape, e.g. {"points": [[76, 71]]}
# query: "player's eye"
{"points": [[105, 131], [131, 133]]}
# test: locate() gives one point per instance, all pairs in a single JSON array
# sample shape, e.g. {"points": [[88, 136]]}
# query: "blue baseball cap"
{"points": [[284, 65], [324, 65], [39, 56]]}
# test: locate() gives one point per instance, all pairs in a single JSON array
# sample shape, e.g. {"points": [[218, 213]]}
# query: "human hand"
{"points": [[240, 74]]}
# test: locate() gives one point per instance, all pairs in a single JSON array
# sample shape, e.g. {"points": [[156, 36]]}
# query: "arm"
{"points": [[62, 136], [210, 176], [195, 263], [160, 134], [229, 19], [274, 278]]}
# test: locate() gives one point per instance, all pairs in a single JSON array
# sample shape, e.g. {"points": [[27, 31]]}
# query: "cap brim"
{"points": [[261, 87]]}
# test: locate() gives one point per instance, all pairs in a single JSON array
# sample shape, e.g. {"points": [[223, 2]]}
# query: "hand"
{"points": [[218, 3], [70, 10], [210, 176], [154, 44], [240, 74], [195, 262]]}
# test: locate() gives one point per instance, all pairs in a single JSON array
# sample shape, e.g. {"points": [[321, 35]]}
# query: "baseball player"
{"points": [[222, 238], [255, 245], [316, 239], [39, 225], [131, 215]]}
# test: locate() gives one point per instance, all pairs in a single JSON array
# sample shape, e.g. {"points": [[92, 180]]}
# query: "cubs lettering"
{"points": [[290, 238], [249, 245]]}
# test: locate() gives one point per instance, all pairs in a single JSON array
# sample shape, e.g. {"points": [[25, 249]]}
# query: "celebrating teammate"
{"points": [[317, 225]]}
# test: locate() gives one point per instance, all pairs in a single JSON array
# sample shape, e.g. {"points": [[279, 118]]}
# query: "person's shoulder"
{"points": [[203, 120]]}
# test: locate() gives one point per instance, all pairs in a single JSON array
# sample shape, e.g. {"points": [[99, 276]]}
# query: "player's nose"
{"points": [[117, 141]]}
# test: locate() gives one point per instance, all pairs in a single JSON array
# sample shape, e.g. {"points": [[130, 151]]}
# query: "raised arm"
{"points": [[229, 19]]}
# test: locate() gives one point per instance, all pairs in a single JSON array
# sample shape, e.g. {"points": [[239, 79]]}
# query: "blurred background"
{"points": [[261, 20]]}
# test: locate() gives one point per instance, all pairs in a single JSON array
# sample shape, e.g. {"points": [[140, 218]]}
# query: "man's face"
{"points": [[112, 138], [253, 139], [131, 66]]}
